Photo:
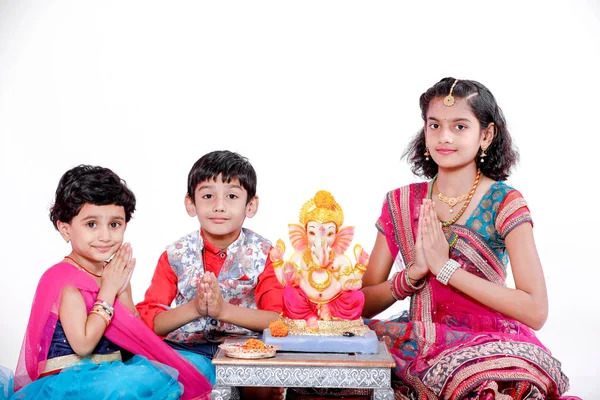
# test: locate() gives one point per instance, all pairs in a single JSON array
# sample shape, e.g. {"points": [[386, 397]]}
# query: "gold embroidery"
{"points": [[499, 363], [479, 243], [533, 354], [507, 211], [58, 363], [479, 262]]}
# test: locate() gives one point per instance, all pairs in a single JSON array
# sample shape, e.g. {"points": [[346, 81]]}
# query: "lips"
{"points": [[445, 151], [103, 249], [218, 220]]}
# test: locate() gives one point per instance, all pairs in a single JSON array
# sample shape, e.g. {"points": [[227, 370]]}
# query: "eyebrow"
{"points": [[228, 186], [98, 217], [454, 120]]}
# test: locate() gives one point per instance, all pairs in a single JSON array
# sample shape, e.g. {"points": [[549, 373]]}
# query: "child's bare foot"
{"points": [[262, 393]]}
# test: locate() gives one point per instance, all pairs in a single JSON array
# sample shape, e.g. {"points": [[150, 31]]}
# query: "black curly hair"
{"points": [[502, 155], [89, 184], [226, 163]]}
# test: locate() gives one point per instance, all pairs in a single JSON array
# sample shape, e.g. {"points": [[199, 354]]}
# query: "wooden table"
{"points": [[319, 370]]}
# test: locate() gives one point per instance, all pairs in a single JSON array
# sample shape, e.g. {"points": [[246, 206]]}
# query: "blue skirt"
{"points": [[202, 363], [6, 383], [137, 378]]}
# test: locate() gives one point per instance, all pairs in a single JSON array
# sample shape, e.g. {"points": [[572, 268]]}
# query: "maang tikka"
{"points": [[449, 100]]}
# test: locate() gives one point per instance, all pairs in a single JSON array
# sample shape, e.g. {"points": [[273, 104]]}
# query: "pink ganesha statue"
{"points": [[321, 283]]}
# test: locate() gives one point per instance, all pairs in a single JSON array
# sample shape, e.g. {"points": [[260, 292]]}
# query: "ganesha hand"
{"points": [[353, 284], [290, 274], [276, 254], [362, 257]]}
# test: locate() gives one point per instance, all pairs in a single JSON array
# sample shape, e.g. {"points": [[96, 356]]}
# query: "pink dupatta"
{"points": [[125, 330], [460, 341]]}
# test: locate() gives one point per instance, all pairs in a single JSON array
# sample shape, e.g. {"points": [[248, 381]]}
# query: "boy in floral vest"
{"points": [[220, 276]]}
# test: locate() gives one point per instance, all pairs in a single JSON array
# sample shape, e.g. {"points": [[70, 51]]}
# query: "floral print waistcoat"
{"points": [[246, 259]]}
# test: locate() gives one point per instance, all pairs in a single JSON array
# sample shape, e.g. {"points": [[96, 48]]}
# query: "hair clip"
{"points": [[449, 100]]}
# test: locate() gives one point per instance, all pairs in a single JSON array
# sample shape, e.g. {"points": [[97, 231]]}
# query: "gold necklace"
{"points": [[84, 268], [452, 201], [464, 207], [312, 267]]}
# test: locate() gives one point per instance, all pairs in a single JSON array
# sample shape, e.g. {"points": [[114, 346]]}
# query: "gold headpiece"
{"points": [[322, 208], [449, 100]]}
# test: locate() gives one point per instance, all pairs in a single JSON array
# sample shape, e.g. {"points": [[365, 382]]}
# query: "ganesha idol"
{"points": [[321, 284]]}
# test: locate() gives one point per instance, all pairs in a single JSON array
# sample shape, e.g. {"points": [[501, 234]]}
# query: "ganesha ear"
{"points": [[298, 237], [343, 239]]}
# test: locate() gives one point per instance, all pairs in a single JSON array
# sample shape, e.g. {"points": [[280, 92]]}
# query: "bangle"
{"points": [[447, 270], [105, 306], [410, 285], [99, 311], [408, 279], [392, 281]]}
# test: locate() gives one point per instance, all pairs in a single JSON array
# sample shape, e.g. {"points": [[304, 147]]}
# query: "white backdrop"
{"points": [[318, 95]]}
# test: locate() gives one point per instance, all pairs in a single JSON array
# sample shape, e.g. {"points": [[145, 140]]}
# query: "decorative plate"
{"points": [[241, 351]]}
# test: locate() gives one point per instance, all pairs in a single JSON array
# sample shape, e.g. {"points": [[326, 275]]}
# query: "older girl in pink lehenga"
{"points": [[467, 335]]}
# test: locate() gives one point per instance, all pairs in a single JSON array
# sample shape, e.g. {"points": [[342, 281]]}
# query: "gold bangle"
{"points": [[102, 314], [392, 286], [408, 279]]}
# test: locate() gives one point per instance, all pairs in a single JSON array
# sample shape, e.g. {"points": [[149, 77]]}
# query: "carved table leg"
{"points": [[221, 393], [383, 394]]}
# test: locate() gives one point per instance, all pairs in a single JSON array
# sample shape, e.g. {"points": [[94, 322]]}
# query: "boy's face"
{"points": [[221, 209], [96, 233]]}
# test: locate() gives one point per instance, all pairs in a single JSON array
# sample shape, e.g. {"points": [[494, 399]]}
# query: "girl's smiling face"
{"points": [[453, 134], [96, 233]]}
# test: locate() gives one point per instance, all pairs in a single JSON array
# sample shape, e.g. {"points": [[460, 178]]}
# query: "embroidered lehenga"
{"points": [[448, 345], [48, 367]]}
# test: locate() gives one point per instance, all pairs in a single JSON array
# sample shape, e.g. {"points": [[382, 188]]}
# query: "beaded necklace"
{"points": [[83, 268], [465, 205]]}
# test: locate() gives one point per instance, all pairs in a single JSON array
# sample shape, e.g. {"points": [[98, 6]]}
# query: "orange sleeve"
{"points": [[269, 292], [160, 294]]}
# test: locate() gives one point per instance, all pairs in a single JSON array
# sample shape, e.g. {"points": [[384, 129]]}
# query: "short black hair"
{"points": [[229, 165], [502, 155], [87, 184]]}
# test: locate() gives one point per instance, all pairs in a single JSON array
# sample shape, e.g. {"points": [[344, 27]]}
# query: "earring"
{"points": [[426, 154], [482, 155]]}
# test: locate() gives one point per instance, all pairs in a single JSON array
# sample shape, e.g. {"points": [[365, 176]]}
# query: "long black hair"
{"points": [[501, 154]]}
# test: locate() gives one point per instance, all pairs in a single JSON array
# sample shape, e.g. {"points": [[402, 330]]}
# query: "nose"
{"points": [[219, 204], [104, 233], [445, 136]]}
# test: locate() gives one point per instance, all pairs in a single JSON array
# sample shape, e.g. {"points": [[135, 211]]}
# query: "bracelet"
{"points": [[392, 281], [447, 270], [410, 285], [105, 306], [99, 311], [408, 279]]}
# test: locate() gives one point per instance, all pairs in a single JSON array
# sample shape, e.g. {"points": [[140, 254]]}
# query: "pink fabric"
{"points": [[450, 331], [125, 330], [297, 305]]}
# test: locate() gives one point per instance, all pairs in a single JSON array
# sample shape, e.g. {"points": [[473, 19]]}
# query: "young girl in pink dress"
{"points": [[467, 335], [84, 339]]}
